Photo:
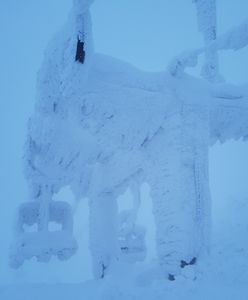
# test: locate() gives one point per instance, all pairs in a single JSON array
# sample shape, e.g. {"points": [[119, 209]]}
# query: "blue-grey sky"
{"points": [[147, 33]]}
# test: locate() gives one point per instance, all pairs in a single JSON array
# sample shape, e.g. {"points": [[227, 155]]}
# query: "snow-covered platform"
{"points": [[109, 289]]}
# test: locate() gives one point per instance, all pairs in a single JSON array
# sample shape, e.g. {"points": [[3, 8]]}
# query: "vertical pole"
{"points": [[207, 15], [44, 200]]}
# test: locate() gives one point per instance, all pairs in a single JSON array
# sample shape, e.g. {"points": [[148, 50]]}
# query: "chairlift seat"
{"points": [[43, 243], [132, 245]]}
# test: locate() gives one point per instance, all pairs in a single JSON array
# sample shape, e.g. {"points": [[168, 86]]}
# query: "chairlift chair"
{"points": [[131, 238], [43, 243]]}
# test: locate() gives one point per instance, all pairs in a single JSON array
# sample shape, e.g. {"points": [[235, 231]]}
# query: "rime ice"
{"points": [[101, 126]]}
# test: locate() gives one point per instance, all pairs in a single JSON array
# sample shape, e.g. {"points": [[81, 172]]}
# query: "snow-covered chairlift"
{"points": [[131, 238], [43, 242]]}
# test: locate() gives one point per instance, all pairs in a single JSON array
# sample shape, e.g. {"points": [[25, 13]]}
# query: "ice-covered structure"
{"points": [[101, 126]]}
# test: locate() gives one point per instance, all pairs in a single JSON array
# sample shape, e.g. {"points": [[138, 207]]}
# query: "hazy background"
{"points": [[147, 33]]}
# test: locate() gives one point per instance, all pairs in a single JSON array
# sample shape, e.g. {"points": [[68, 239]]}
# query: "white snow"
{"points": [[222, 276]]}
